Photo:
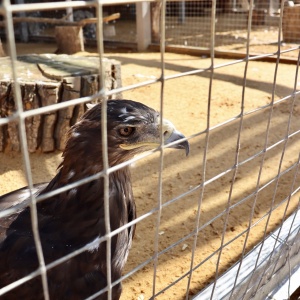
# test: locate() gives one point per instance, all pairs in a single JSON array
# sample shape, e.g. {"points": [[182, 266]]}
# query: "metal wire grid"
{"points": [[284, 261], [284, 141], [7, 9], [189, 25]]}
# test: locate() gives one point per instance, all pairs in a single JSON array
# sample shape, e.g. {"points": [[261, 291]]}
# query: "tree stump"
{"points": [[69, 39], [44, 80], [155, 23], [291, 24]]}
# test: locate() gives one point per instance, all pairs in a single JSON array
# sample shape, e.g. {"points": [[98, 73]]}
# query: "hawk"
{"points": [[75, 218]]}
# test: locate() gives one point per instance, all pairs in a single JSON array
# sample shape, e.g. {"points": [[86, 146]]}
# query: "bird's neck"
{"points": [[120, 189]]}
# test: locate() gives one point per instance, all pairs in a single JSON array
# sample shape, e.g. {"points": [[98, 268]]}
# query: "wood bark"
{"points": [[155, 20], [46, 80], [48, 94], [69, 39], [30, 101], [291, 24], [12, 127], [71, 90]]}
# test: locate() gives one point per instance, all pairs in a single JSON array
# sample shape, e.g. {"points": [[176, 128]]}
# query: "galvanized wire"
{"points": [[284, 149], [161, 157], [207, 136], [23, 142], [237, 148], [7, 9], [266, 141]]}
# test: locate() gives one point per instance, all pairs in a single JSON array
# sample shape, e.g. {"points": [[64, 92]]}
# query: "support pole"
{"points": [[143, 25], [181, 19], [24, 37]]}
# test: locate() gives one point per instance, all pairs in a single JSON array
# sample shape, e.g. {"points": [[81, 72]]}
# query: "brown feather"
{"points": [[75, 218]]}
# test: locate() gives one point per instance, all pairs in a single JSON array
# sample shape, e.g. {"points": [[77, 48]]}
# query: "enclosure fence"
{"points": [[186, 25], [259, 272]]}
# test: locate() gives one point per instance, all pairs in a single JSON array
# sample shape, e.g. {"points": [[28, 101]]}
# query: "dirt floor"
{"points": [[186, 105]]}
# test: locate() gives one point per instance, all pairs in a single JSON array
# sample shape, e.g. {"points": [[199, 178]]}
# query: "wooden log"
{"points": [[63, 21], [155, 26], [109, 81], [12, 127], [32, 124], [90, 86], [69, 35], [45, 80], [30, 101], [116, 79], [71, 90], [69, 39], [48, 94], [105, 19], [291, 24]]}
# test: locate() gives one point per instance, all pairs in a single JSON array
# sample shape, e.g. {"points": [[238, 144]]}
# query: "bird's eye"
{"points": [[126, 131]]}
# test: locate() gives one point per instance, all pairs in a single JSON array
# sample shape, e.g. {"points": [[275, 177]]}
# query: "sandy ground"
{"points": [[186, 105]]}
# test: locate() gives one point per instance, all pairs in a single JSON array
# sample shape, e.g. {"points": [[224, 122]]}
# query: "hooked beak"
{"points": [[172, 135]]}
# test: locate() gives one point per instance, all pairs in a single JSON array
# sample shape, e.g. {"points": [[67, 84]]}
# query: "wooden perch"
{"points": [[63, 21], [69, 35], [69, 39]]}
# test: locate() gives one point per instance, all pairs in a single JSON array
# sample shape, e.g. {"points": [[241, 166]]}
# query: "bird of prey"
{"points": [[75, 218]]}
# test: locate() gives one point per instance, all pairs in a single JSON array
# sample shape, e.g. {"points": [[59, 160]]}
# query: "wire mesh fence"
{"points": [[188, 25], [198, 217]]}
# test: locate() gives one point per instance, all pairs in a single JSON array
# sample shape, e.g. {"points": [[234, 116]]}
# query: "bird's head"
{"points": [[132, 128]]}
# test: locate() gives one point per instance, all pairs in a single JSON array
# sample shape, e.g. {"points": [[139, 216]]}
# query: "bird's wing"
{"points": [[18, 197], [18, 200]]}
